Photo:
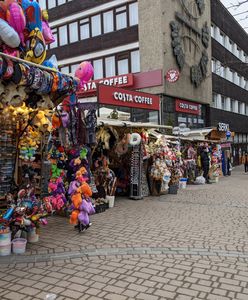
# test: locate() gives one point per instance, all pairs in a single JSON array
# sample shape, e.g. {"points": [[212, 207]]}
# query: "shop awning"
{"points": [[197, 134], [119, 123]]}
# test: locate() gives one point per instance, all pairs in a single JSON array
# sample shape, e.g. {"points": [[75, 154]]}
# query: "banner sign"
{"points": [[188, 107], [121, 97]]}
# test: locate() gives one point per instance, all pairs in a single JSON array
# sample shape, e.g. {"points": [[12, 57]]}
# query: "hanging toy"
{"points": [[16, 19], [35, 47], [32, 12], [3, 9], [84, 72], [51, 63], [46, 30], [8, 35]]}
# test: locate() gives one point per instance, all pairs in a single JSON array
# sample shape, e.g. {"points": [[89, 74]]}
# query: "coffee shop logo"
{"points": [[189, 41]]}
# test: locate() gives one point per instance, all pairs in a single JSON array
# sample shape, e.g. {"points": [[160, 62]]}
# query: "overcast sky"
{"points": [[241, 12]]}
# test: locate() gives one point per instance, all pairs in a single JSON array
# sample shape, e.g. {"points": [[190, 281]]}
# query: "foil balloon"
{"points": [[16, 19], [52, 63], [11, 51], [84, 72], [33, 14], [35, 47], [47, 33], [8, 35]]}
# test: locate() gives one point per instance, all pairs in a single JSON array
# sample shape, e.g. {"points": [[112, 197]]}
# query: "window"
{"points": [[63, 37], [108, 22], [42, 4], [110, 66], [213, 65], [96, 25], [55, 43], [232, 105], [123, 66], [222, 38], [98, 69], [223, 104], [212, 30], [121, 18], [73, 68], [65, 70], [51, 4], [133, 14], [60, 2], [214, 100], [135, 61], [73, 31], [84, 29]]}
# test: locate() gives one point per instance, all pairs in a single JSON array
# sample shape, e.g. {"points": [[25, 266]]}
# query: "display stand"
{"points": [[136, 173]]}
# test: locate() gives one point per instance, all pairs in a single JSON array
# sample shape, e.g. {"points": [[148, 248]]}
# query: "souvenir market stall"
{"points": [[30, 86]]}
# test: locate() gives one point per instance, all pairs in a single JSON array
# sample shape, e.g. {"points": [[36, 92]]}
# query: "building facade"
{"points": [[122, 37], [229, 76]]}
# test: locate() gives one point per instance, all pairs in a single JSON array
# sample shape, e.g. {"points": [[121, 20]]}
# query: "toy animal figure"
{"points": [[16, 19], [35, 47], [84, 72]]}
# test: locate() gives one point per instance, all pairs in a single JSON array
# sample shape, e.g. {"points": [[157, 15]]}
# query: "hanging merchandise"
{"points": [[136, 173]]}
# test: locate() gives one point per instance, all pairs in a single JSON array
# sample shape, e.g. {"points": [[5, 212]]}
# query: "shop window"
{"points": [[98, 69], [135, 61], [133, 14], [84, 29], [121, 18], [108, 22], [110, 66], [96, 25], [73, 32], [63, 36]]}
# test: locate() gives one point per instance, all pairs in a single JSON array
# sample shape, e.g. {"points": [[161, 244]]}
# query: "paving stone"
{"points": [[14, 296]]}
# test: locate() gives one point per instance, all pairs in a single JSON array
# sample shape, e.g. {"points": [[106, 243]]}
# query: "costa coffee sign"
{"points": [[188, 107], [121, 97], [119, 81]]}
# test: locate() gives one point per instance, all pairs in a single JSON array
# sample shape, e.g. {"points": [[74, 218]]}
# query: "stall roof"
{"points": [[119, 123], [197, 134]]}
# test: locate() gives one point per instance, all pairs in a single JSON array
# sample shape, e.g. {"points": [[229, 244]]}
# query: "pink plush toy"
{"points": [[84, 72], [16, 19]]}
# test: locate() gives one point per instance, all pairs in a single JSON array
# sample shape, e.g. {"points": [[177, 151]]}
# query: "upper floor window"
{"points": [[63, 35], [84, 29], [96, 25], [108, 22], [133, 14], [73, 32], [121, 17]]}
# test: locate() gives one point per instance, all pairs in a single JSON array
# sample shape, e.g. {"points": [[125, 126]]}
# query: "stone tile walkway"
{"points": [[188, 246]]}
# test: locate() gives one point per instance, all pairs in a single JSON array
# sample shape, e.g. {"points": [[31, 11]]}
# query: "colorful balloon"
{"points": [[84, 72], [8, 35], [33, 14], [16, 19], [3, 9], [47, 33], [35, 47]]}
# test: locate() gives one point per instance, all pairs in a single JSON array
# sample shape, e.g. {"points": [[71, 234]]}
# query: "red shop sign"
{"points": [[188, 107], [122, 97], [119, 81]]}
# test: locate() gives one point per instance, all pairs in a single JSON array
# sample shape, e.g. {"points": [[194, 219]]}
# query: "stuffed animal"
{"points": [[84, 72]]}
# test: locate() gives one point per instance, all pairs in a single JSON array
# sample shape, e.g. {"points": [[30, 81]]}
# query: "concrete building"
{"points": [[123, 36]]}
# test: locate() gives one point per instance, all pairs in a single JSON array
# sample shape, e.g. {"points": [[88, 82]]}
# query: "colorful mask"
{"points": [[35, 47]]}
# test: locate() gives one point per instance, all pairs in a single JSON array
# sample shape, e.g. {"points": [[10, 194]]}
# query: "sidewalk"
{"points": [[187, 246]]}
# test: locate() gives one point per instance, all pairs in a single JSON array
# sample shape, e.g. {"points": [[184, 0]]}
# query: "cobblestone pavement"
{"points": [[188, 246]]}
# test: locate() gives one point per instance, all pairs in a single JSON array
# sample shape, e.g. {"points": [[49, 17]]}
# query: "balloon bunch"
{"points": [[24, 30]]}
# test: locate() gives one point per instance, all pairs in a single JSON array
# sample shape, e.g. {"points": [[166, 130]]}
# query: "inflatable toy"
{"points": [[84, 72], [8, 35], [35, 47]]}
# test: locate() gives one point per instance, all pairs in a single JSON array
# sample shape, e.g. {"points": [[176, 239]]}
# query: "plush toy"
{"points": [[8, 35], [35, 47], [84, 72], [16, 19], [56, 121], [33, 14]]}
